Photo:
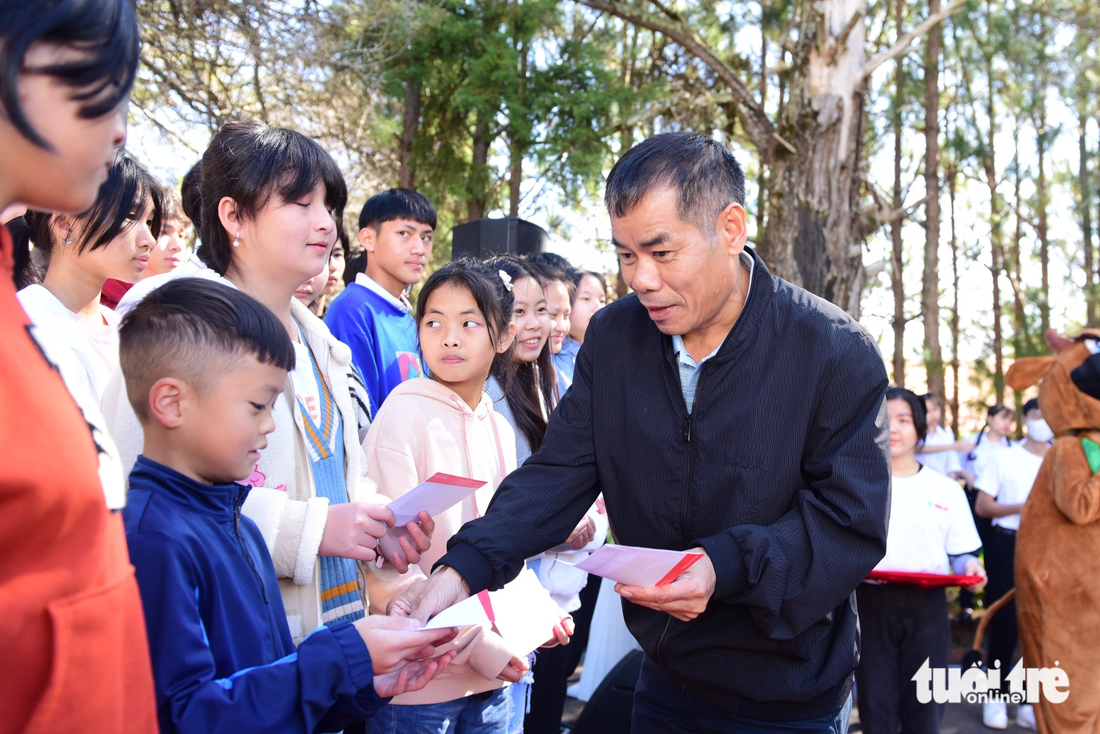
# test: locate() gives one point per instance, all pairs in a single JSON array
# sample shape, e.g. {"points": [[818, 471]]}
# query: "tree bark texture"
{"points": [[1041, 227], [930, 287], [1084, 181], [812, 237], [812, 152], [480, 171], [951, 181], [1015, 274], [897, 261], [406, 175]]}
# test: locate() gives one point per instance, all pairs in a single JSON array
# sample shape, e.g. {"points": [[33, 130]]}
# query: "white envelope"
{"points": [[475, 610], [437, 493], [525, 613], [636, 566]]}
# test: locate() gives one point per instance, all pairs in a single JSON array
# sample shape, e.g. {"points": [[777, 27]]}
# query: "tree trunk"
{"points": [[812, 234], [517, 146], [812, 237], [479, 170], [897, 261], [1085, 185], [996, 241], [761, 176], [406, 175], [930, 291], [954, 309], [1019, 320], [1041, 143]]}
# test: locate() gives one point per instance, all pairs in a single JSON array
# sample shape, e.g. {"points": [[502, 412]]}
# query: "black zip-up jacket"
{"points": [[781, 472]]}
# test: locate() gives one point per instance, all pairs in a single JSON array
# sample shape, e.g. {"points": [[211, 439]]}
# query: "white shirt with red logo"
{"points": [[929, 520]]}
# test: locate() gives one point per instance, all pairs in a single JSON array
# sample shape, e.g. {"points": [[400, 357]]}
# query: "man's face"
{"points": [[683, 280]]}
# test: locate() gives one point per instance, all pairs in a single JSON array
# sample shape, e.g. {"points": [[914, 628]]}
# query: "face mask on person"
{"points": [[1038, 430]]}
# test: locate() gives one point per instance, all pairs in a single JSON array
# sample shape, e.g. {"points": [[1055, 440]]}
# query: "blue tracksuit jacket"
{"points": [[223, 659]]}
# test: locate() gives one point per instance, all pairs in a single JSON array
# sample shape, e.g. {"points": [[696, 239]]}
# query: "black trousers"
{"points": [[554, 666], [1000, 565], [661, 707], [900, 627]]}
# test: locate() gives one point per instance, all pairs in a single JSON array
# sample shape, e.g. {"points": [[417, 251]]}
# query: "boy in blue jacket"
{"points": [[204, 364], [372, 314]]}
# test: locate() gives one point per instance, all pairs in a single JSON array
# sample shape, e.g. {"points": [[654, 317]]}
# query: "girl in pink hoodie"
{"points": [[447, 424]]}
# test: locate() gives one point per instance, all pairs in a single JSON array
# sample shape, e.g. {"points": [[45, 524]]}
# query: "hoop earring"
{"points": [[237, 240]]}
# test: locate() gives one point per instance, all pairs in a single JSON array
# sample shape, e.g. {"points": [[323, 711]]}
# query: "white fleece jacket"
{"points": [[423, 428], [85, 370], [283, 501]]}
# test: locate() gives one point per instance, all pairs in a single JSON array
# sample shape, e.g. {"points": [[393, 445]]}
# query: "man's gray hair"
{"points": [[705, 173]]}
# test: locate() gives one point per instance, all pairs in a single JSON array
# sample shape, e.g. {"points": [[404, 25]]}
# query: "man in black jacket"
{"points": [[719, 409]]}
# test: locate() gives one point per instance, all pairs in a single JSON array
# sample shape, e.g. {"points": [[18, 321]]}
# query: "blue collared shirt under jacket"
{"points": [[781, 471], [223, 659]]}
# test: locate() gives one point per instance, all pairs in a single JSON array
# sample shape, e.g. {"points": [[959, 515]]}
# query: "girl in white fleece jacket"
{"points": [[447, 424], [272, 199]]}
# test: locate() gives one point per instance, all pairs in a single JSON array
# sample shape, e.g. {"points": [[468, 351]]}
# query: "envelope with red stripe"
{"points": [[437, 493], [637, 566], [478, 609], [523, 613]]}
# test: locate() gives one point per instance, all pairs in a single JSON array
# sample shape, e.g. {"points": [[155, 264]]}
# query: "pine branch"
{"points": [[905, 44], [756, 123]]}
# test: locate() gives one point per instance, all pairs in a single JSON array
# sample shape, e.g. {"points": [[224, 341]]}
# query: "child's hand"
{"points": [[393, 641], [562, 631], [974, 568], [403, 546], [411, 676], [583, 534], [352, 530], [514, 670]]}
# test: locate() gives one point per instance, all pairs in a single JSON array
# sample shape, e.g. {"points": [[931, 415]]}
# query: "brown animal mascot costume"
{"points": [[1058, 544]]}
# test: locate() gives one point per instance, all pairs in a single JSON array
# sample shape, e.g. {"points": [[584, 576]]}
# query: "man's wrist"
{"points": [[444, 569]]}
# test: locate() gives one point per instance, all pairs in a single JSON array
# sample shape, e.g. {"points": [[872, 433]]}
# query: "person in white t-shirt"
{"points": [[946, 461], [1004, 485], [902, 626], [1000, 421]]}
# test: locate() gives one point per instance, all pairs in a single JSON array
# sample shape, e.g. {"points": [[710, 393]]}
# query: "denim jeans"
{"points": [[475, 714], [660, 707]]}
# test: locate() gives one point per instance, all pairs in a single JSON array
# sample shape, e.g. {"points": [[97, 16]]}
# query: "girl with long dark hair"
{"points": [[112, 239]]}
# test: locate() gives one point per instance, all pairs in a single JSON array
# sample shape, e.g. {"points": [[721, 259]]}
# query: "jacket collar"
{"points": [[219, 500], [743, 333], [318, 337]]}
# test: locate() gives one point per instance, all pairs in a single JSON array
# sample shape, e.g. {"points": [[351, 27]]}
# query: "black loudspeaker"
{"points": [[609, 709], [483, 238]]}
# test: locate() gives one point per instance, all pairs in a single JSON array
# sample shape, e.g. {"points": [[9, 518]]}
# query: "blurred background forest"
{"points": [[932, 167]]}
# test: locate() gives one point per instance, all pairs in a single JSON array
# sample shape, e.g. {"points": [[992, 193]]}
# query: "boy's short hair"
{"points": [[172, 212], [397, 204], [1031, 405], [101, 77], [192, 329]]}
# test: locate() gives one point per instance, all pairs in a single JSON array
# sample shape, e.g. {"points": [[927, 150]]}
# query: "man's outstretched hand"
{"points": [[425, 599], [685, 598]]}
